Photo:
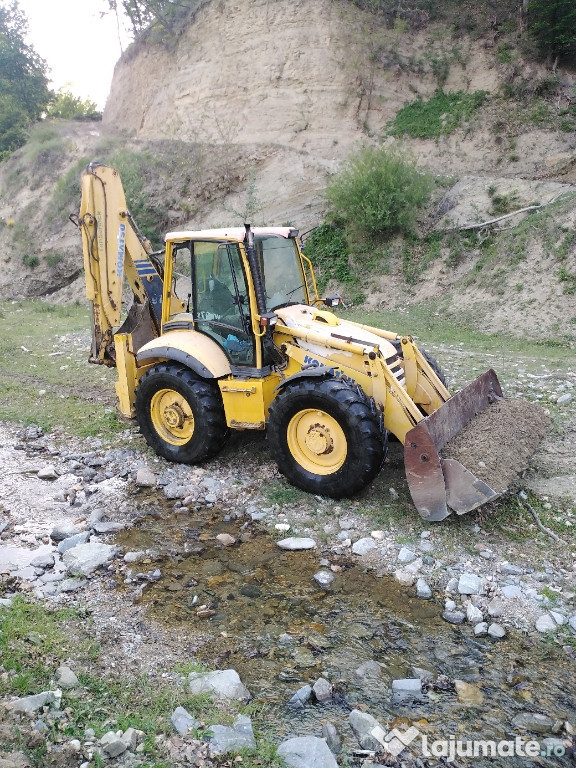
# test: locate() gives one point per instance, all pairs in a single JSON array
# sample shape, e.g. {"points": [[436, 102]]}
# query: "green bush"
{"points": [[327, 248], [30, 260], [438, 116], [379, 191]]}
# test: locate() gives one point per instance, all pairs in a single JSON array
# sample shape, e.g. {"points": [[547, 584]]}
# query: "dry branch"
{"points": [[506, 215]]}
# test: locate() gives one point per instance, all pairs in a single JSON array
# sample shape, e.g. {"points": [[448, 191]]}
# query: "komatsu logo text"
{"points": [[336, 372], [120, 254]]}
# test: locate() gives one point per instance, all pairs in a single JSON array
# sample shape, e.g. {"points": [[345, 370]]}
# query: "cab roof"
{"points": [[231, 233]]}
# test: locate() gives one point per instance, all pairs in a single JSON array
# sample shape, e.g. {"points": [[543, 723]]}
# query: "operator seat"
{"points": [[216, 300]]}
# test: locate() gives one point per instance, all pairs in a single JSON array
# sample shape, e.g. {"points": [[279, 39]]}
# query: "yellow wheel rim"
{"points": [[172, 417], [317, 441]]}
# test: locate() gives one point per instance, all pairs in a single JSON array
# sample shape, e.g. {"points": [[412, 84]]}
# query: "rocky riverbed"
{"points": [[344, 620]]}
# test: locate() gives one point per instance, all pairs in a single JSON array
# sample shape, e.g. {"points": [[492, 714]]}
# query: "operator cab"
{"points": [[211, 282]]}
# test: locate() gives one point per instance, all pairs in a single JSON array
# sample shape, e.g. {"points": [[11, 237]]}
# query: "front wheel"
{"points": [[325, 437], [180, 416]]}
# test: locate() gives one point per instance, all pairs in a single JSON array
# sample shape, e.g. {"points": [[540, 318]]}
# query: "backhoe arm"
{"points": [[115, 252]]}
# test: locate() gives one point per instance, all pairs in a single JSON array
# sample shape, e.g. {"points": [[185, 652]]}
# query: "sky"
{"points": [[79, 45]]}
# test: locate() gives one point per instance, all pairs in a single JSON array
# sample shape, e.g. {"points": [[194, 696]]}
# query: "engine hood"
{"points": [[326, 324]]}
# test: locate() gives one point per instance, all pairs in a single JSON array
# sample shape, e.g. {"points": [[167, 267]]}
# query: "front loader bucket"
{"points": [[437, 484]]}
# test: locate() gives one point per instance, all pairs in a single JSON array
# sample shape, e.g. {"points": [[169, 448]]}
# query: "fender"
{"points": [[319, 372], [193, 349]]}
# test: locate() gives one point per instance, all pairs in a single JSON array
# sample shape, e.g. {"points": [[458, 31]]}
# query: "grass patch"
{"points": [[282, 493], [327, 247], [439, 116], [44, 349], [35, 641]]}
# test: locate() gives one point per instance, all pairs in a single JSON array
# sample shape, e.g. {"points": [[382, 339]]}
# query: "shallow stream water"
{"points": [[264, 615]]}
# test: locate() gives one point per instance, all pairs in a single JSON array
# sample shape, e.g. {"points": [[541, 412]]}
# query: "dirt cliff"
{"points": [[261, 100]]}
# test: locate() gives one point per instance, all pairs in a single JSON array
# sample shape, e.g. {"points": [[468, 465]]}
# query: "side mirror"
{"points": [[333, 301]]}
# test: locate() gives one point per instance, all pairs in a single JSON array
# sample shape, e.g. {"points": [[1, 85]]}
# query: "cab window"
{"points": [[220, 299]]}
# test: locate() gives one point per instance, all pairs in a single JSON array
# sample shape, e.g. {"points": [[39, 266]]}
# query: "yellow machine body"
{"points": [[225, 330]]}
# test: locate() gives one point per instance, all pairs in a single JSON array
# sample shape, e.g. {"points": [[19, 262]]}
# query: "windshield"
{"points": [[283, 278]]}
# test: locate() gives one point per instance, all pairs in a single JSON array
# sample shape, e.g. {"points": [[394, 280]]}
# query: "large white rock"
{"points": [[307, 752], [84, 559], [222, 684]]}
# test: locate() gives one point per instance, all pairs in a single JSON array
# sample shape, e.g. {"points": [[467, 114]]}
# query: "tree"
{"points": [[165, 14], [24, 92], [552, 24], [69, 107]]}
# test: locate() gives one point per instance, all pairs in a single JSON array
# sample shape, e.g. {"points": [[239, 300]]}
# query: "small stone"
{"points": [[511, 570], [225, 539], [481, 630], [368, 672], [469, 694], [406, 556], [363, 546], [469, 584], [145, 478], [495, 607], [109, 526], [559, 618], [306, 751], [408, 688], [294, 543], [183, 721], [454, 617], [332, 737], [29, 704], [66, 678], [222, 684], [134, 557], [301, 697], [322, 690], [324, 578], [473, 614], [546, 623], [533, 721], [452, 586], [224, 739], [423, 591], [73, 541], [282, 527], [564, 399], [363, 724], [511, 591], [496, 631], [112, 744], [48, 472], [63, 531], [45, 560], [403, 577]]}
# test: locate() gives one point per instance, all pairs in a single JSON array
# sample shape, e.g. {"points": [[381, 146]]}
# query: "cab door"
{"points": [[220, 301]]}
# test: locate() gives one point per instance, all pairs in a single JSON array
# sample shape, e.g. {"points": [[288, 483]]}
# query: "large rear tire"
{"points": [[180, 416], [325, 437], [435, 365]]}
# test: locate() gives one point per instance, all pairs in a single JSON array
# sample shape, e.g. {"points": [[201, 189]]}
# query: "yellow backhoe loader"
{"points": [[225, 330]]}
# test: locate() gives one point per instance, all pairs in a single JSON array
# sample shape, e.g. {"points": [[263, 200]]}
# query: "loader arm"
{"points": [[115, 254]]}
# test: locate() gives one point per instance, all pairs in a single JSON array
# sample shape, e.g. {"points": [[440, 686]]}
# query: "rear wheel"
{"points": [[180, 416], [435, 365], [325, 437]]}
